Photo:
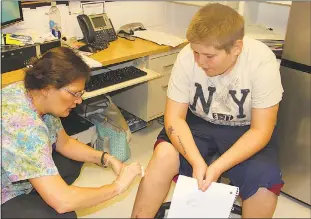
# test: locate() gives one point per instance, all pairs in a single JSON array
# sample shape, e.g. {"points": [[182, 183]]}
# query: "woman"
{"points": [[39, 160]]}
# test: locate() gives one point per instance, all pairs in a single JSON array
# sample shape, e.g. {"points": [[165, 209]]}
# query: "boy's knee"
{"points": [[165, 152]]}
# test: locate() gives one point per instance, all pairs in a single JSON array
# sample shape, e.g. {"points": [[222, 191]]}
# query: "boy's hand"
{"points": [[211, 175], [198, 173]]}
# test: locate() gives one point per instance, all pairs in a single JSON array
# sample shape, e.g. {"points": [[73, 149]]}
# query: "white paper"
{"points": [[93, 8], [190, 202], [75, 7], [92, 63], [160, 38]]}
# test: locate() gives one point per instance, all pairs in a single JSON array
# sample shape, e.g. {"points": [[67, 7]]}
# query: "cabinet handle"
{"points": [[165, 86], [167, 66]]}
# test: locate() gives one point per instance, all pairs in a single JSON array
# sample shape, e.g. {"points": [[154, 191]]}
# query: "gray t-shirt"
{"points": [[228, 99]]}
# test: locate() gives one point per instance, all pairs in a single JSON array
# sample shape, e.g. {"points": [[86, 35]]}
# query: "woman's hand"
{"points": [[115, 164], [127, 176]]}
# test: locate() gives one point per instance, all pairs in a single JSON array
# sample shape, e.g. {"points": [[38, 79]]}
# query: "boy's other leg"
{"points": [[153, 188], [259, 178], [261, 205], [260, 181]]}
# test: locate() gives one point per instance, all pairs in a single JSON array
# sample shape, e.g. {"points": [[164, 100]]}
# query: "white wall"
{"points": [[181, 13], [153, 14], [180, 17], [250, 11], [274, 16], [149, 13], [270, 15]]}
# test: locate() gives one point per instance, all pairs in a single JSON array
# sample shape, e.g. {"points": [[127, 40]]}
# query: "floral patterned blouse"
{"points": [[27, 140]]}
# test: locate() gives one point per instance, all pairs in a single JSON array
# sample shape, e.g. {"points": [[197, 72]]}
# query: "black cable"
{"points": [[85, 110]]}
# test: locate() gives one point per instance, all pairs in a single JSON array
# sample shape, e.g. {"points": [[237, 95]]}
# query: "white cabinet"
{"points": [[147, 101]]}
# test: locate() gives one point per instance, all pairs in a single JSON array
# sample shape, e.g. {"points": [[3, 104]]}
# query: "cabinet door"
{"points": [[156, 98], [146, 101]]}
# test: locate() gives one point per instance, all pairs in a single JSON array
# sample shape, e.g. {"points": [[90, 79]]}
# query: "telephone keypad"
{"points": [[103, 37], [107, 34], [112, 34], [101, 41], [100, 35]]}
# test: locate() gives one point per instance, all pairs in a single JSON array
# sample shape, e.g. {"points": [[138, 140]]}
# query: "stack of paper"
{"points": [[160, 38], [190, 202], [92, 63], [274, 44]]}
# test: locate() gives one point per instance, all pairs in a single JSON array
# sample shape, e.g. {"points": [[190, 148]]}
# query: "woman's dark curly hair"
{"points": [[57, 68]]}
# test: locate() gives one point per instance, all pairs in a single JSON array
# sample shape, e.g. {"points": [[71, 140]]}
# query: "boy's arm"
{"points": [[180, 135], [255, 139]]}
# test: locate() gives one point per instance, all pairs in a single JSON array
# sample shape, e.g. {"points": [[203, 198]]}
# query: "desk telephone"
{"points": [[97, 30]]}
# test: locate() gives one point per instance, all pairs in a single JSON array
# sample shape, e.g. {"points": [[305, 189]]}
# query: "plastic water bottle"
{"points": [[55, 20]]}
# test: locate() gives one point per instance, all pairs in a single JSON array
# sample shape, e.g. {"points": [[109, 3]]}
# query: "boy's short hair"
{"points": [[216, 24]]}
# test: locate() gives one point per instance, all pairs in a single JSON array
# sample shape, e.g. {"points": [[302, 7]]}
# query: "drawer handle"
{"points": [[165, 86], [167, 66]]}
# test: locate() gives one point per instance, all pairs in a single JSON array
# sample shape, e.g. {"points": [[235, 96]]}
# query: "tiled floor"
{"points": [[141, 147]]}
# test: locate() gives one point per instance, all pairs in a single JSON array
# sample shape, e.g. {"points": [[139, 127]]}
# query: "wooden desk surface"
{"points": [[12, 76], [123, 50], [118, 51]]}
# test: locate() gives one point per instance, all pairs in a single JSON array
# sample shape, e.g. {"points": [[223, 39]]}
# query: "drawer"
{"points": [[163, 64], [164, 80]]}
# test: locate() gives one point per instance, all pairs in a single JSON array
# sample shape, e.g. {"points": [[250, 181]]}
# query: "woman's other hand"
{"points": [[115, 164], [127, 176]]}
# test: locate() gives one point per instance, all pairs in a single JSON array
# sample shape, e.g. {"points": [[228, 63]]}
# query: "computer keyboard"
{"points": [[113, 77]]}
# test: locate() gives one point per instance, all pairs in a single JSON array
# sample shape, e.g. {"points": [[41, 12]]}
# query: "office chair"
{"points": [[236, 209]]}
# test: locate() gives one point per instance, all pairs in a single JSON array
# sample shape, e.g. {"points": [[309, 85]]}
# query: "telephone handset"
{"points": [[97, 30]]}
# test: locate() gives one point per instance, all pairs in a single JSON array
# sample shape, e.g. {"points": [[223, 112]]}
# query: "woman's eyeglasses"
{"points": [[75, 94]]}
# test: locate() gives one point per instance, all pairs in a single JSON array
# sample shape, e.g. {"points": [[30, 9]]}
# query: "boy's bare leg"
{"points": [[261, 205], [153, 188]]}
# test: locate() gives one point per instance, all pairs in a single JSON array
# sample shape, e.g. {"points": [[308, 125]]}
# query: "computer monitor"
{"points": [[11, 12]]}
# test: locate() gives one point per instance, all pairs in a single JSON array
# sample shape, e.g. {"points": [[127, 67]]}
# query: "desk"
{"points": [[118, 51], [146, 100]]}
